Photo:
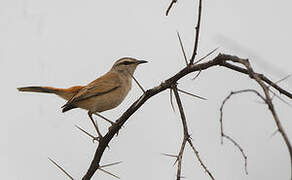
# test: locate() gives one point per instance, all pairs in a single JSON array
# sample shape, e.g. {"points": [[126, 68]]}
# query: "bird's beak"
{"points": [[142, 61]]}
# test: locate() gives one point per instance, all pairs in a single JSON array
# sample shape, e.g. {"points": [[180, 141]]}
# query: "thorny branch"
{"points": [[240, 149], [182, 48], [226, 99], [220, 60], [185, 130], [170, 6], [197, 33], [198, 157], [85, 132], [171, 83], [186, 137], [197, 28], [268, 101], [223, 134], [261, 80]]}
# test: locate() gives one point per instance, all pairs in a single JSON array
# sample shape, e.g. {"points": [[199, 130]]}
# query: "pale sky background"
{"points": [[69, 42]]}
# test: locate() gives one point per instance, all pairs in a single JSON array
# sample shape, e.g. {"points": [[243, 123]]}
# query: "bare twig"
{"points": [[180, 107], [223, 135], [260, 79], [226, 99], [197, 33], [62, 169], [268, 101], [200, 160], [185, 130], [170, 6], [186, 137], [261, 76], [179, 159], [240, 149], [182, 48]]}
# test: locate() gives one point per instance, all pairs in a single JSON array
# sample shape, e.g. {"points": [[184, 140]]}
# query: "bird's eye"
{"points": [[126, 62]]}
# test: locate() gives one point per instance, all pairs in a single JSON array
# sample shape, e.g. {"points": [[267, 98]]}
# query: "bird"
{"points": [[104, 93]]}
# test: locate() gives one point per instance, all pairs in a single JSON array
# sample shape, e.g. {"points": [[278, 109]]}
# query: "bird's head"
{"points": [[127, 65]]}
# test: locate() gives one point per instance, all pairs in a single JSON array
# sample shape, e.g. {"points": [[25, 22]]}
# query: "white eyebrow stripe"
{"points": [[125, 62]]}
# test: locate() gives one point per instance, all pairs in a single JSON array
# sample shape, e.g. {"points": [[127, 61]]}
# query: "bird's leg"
{"points": [[95, 125], [113, 123], [106, 119]]}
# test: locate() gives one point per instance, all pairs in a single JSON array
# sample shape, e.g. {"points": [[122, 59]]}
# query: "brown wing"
{"points": [[103, 85]]}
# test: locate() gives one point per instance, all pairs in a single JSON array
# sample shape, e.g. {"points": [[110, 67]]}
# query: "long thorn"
{"points": [[191, 94], [274, 133], [84, 131], [171, 100], [63, 170], [169, 155], [279, 97], [109, 173], [197, 75], [182, 48], [283, 79], [137, 82], [206, 56], [111, 164]]}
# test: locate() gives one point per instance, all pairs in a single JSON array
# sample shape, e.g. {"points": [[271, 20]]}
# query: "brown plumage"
{"points": [[104, 93]]}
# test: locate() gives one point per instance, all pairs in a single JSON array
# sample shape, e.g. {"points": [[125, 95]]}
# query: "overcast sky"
{"points": [[62, 43]]}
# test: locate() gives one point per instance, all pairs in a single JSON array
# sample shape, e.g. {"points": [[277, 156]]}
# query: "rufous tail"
{"points": [[64, 93], [42, 89]]}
